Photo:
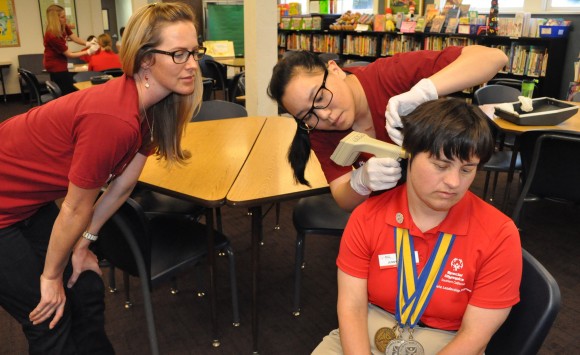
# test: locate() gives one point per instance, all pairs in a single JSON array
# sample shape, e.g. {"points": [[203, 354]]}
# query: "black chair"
{"points": [[86, 75], [576, 97], [156, 250], [34, 88], [530, 320], [501, 159], [359, 63], [330, 56], [514, 83], [316, 215], [114, 72], [53, 89], [207, 89], [218, 73], [238, 88], [219, 109], [551, 168], [32, 63]]}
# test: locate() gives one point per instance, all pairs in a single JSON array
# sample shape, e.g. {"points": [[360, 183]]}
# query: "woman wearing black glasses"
{"points": [[68, 149], [328, 104]]}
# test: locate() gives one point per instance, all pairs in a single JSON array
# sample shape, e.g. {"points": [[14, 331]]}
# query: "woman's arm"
{"points": [[474, 66], [114, 196], [353, 314], [477, 328], [344, 195], [78, 40]]}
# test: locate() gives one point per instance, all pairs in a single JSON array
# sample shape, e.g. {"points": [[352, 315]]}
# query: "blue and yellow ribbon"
{"points": [[415, 291]]}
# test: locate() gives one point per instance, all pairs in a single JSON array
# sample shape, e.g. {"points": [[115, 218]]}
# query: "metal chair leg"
{"points": [[298, 266]]}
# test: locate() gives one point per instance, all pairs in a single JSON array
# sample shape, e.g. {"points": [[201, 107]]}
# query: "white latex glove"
{"points": [[404, 104], [91, 42], [377, 174], [93, 48]]}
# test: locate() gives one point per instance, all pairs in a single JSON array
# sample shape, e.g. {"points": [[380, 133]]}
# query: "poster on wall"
{"points": [[8, 27], [69, 10]]}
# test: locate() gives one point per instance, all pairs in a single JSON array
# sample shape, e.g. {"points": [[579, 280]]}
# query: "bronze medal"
{"points": [[382, 337]]}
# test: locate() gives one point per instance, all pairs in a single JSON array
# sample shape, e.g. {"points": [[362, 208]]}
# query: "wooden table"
{"points": [[239, 162], [219, 150], [572, 125], [81, 85], [79, 68], [2, 66], [266, 178], [233, 62]]}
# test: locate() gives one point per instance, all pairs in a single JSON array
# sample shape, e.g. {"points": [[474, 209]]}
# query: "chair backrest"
{"points": [[495, 94], [514, 83], [576, 97], [53, 88], [359, 63], [330, 56], [237, 86], [219, 109], [530, 320], [32, 84], [218, 72], [86, 75], [32, 62], [115, 72], [125, 232], [550, 166]]}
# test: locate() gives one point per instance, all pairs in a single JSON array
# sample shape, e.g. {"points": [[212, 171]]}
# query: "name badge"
{"points": [[390, 260]]}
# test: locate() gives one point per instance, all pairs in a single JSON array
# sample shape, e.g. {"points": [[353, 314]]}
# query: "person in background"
{"points": [[328, 104], [428, 261], [118, 44], [56, 51], [70, 148], [105, 58], [92, 40]]}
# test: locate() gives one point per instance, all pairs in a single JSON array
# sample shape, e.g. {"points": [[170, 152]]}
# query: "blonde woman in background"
{"points": [[56, 50], [70, 148]]}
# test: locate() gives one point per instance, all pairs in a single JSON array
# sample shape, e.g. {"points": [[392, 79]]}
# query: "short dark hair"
{"points": [[449, 126], [289, 66]]}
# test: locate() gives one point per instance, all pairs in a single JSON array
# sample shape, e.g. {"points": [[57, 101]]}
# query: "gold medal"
{"points": [[382, 337]]}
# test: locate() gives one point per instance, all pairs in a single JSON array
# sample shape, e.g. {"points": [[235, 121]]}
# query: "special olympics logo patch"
{"points": [[457, 264]]}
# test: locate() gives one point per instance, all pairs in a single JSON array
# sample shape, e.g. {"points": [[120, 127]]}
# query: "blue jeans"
{"points": [[22, 252]]}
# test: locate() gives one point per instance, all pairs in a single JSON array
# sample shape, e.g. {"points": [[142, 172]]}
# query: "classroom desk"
{"points": [[267, 178], [251, 171], [572, 124], [79, 68], [2, 66], [219, 150], [233, 62], [81, 85]]}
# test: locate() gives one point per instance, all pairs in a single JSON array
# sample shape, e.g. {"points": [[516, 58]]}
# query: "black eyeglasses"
{"points": [[181, 56], [321, 100]]}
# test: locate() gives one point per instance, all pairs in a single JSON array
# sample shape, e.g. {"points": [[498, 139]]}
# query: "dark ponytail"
{"points": [[299, 154]]}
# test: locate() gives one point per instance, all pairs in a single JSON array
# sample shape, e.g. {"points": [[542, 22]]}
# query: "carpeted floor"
{"points": [[550, 232]]}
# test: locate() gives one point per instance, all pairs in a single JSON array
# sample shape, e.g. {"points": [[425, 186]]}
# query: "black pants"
{"points": [[65, 81], [81, 330]]}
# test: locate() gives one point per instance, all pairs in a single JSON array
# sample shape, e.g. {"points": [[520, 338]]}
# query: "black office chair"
{"points": [[576, 97], [207, 89], [359, 63], [317, 215], [530, 320], [218, 72], [34, 87], [114, 72], [53, 89], [501, 159], [86, 75], [156, 250], [238, 88], [551, 168], [330, 56], [219, 109]]}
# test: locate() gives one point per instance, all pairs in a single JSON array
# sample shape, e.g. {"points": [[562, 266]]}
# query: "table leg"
{"points": [[515, 152], [3, 85], [209, 222], [256, 233]]}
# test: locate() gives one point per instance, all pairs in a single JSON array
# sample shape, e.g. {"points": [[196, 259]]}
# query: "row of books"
{"points": [[527, 60], [391, 45], [297, 41], [365, 46], [326, 43]]}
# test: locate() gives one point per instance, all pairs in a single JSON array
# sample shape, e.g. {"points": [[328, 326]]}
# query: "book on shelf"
{"points": [[379, 23], [430, 14], [535, 61], [452, 25], [437, 24], [452, 13], [420, 27], [464, 10]]}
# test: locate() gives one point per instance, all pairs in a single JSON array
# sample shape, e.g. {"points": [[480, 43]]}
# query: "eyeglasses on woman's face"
{"points": [[181, 56], [321, 100]]}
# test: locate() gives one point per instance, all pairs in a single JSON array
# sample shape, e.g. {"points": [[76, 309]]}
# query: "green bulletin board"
{"points": [[226, 22]]}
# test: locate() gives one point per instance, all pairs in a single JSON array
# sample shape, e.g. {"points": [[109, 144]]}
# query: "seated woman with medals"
{"points": [[428, 267]]}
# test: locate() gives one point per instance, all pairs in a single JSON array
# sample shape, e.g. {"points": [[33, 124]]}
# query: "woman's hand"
{"points": [[52, 300], [404, 104], [377, 174], [82, 260]]}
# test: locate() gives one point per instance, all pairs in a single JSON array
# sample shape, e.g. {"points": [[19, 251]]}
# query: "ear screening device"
{"points": [[355, 143]]}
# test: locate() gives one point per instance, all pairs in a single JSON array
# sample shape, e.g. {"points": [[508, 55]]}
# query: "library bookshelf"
{"points": [[530, 57]]}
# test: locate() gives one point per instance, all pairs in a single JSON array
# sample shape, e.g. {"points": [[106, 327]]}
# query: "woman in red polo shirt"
{"points": [[56, 50], [105, 58]]}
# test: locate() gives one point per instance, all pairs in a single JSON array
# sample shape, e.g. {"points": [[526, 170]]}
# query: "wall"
{"points": [[89, 22]]}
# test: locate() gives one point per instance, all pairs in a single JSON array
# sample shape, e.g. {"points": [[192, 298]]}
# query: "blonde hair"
{"points": [[171, 114], [106, 42], [53, 25]]}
